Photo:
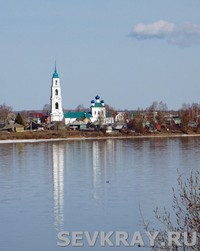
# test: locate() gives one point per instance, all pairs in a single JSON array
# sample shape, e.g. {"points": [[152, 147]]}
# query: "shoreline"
{"points": [[15, 141]]}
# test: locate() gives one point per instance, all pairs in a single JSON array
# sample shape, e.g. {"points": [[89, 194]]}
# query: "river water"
{"points": [[87, 185]]}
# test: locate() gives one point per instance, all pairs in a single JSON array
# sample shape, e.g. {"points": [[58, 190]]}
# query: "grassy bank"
{"points": [[51, 134], [64, 134]]}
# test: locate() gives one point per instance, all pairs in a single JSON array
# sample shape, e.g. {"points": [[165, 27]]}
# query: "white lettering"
{"points": [[121, 237], [78, 239], [152, 237], [77, 236], [173, 239], [137, 239], [193, 239], [91, 241], [105, 239], [62, 236]]}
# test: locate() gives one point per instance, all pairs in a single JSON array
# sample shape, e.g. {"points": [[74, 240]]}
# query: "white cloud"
{"points": [[178, 34]]}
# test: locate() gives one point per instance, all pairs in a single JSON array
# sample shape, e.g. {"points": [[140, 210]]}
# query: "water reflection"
{"points": [[102, 159], [58, 184], [97, 167], [86, 186]]}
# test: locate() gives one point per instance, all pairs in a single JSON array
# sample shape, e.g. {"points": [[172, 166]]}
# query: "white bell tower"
{"points": [[56, 99]]}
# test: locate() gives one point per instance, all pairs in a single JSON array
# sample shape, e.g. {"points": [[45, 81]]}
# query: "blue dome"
{"points": [[92, 101], [102, 101], [97, 97]]}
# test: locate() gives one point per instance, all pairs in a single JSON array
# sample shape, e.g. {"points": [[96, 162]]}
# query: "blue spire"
{"points": [[55, 75]]}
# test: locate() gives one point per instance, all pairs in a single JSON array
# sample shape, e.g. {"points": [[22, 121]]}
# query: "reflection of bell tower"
{"points": [[58, 184], [56, 98]]}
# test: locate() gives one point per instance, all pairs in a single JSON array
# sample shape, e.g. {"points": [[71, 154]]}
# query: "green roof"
{"points": [[97, 105], [77, 115]]}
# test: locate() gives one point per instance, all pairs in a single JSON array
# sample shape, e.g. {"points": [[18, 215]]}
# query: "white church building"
{"points": [[97, 113], [56, 99]]}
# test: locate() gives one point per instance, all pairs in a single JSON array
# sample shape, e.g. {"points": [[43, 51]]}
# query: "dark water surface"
{"points": [[86, 186]]}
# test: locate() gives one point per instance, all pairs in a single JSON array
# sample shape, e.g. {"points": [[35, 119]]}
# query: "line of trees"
{"points": [[155, 112]]}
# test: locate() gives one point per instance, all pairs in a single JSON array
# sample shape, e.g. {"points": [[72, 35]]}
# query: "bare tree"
{"points": [[137, 123], [111, 110], [191, 110], [156, 111], [80, 108], [162, 107], [186, 212], [4, 112], [46, 109], [189, 113]]}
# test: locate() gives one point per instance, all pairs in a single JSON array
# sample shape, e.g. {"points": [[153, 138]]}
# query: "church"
{"points": [[96, 115]]}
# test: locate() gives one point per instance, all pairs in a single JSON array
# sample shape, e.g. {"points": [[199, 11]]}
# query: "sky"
{"points": [[129, 52]]}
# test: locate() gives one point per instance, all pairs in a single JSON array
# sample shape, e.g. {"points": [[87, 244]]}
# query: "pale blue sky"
{"points": [[100, 48]]}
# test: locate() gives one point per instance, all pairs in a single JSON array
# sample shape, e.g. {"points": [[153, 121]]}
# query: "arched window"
{"points": [[56, 82], [56, 91], [56, 106]]}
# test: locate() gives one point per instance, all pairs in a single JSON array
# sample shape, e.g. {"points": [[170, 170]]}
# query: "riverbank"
{"points": [[45, 136]]}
